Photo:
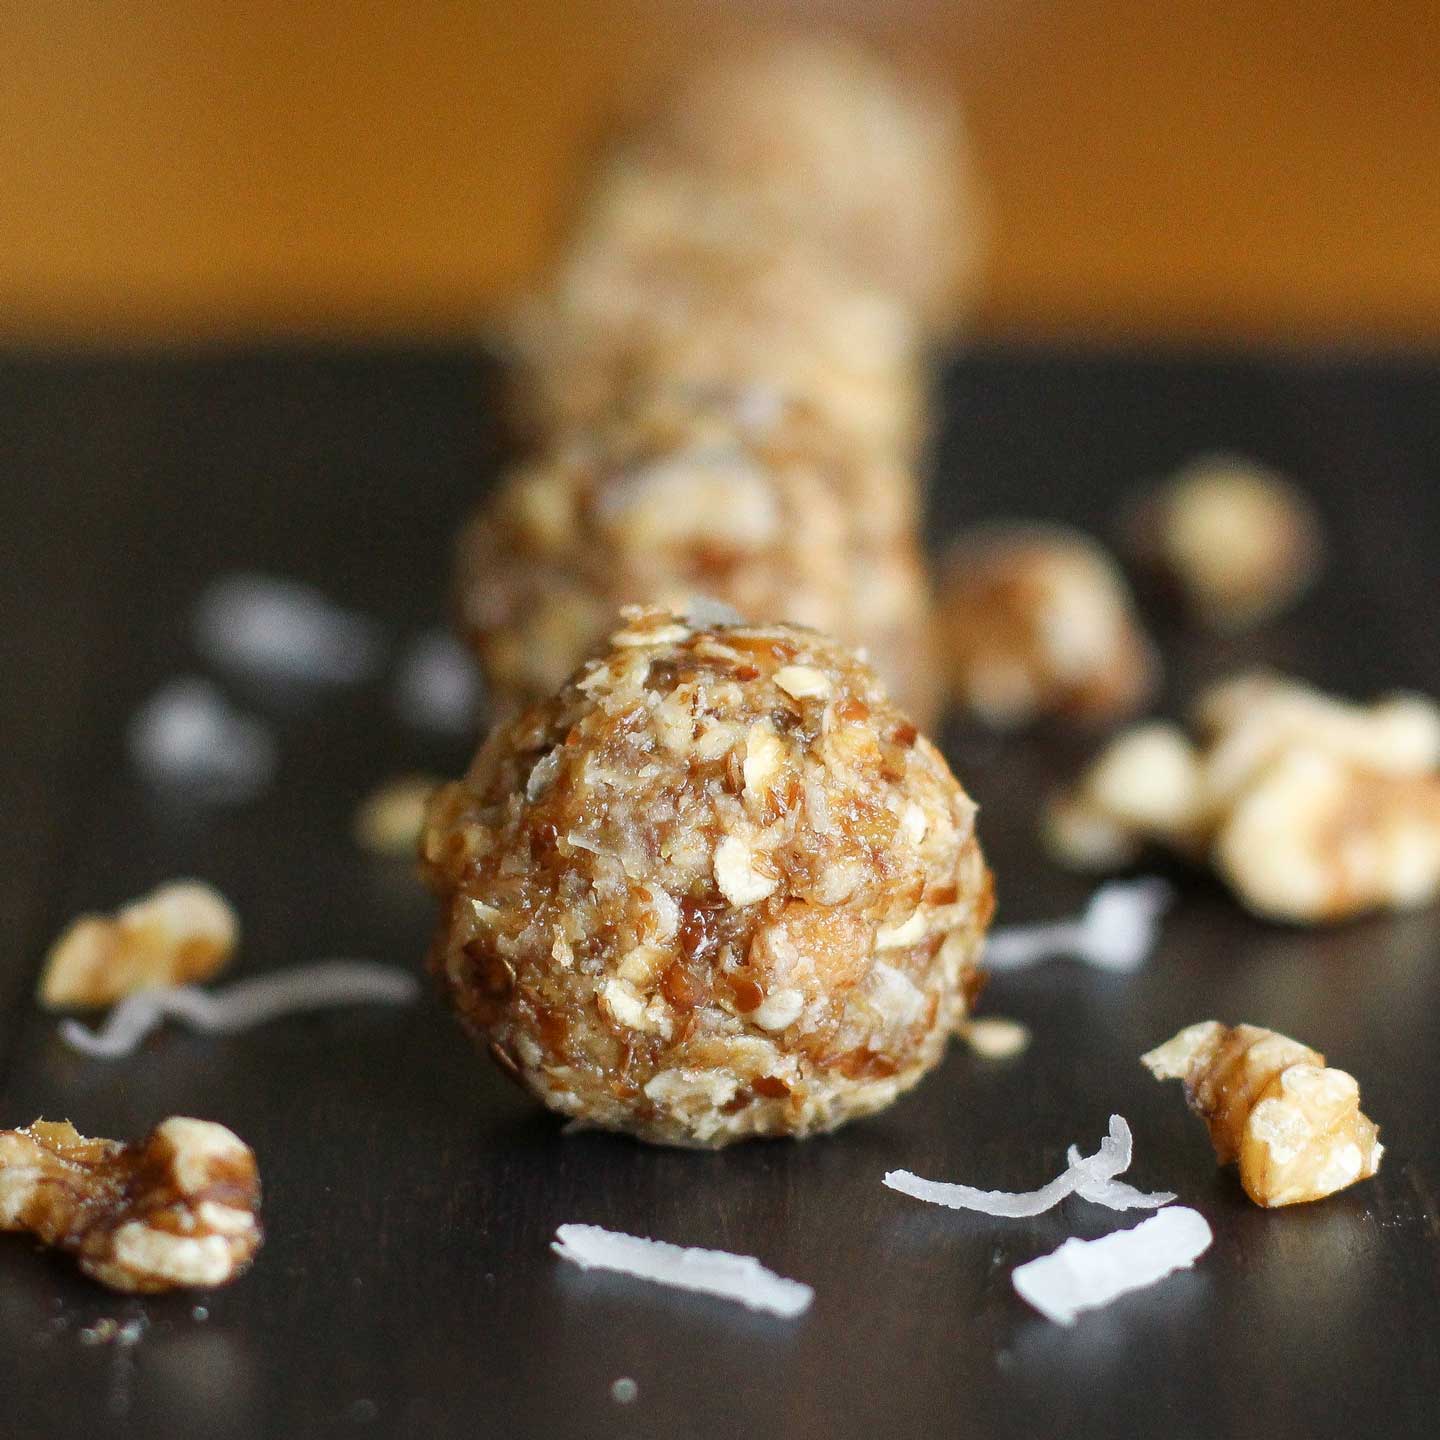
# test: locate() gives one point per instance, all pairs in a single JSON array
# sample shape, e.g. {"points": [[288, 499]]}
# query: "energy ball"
{"points": [[667, 285], [820, 137], [718, 886], [672, 500]]}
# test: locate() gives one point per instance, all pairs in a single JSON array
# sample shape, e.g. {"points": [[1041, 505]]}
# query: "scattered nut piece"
{"points": [[179, 1209], [390, 818], [1253, 719], [1145, 787], [181, 933], [1311, 808], [1315, 839], [1037, 620], [993, 1037], [1293, 1126], [1239, 542]]}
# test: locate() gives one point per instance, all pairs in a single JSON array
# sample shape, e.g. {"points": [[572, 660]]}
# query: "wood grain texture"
{"points": [[1191, 169], [406, 1288]]}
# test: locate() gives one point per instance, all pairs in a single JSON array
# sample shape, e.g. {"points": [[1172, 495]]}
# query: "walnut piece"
{"points": [[1293, 1126], [994, 1037], [1145, 787], [178, 1210], [1315, 838], [181, 933], [1238, 542], [391, 817], [1312, 809], [1037, 620], [717, 886]]}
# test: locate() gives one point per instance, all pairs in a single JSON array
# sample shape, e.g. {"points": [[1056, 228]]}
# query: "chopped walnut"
{"points": [[181, 933], [1237, 541], [1037, 620], [745, 899], [177, 1210], [993, 1037], [1293, 1126], [1255, 718], [1144, 788], [390, 818], [1314, 838], [1311, 808]]}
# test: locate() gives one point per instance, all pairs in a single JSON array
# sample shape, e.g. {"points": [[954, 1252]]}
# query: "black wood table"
{"points": [[407, 1287]]}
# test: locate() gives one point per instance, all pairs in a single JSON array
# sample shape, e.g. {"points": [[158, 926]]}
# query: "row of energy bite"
{"points": [[720, 390]]}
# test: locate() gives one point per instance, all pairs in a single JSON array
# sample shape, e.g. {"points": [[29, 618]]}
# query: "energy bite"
{"points": [[665, 285], [673, 500], [819, 137], [718, 886]]}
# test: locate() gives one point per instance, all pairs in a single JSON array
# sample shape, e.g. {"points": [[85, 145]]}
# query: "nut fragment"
{"points": [[993, 1037], [1239, 542], [390, 818], [181, 933], [1038, 620], [1293, 1126], [1311, 808], [1315, 839], [177, 1210], [1145, 787]]}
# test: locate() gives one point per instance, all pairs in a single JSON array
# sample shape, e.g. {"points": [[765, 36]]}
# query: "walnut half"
{"points": [[1238, 542], [1038, 620], [179, 934], [179, 1209], [1293, 1126]]}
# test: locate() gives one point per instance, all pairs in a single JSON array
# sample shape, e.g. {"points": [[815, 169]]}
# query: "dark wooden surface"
{"points": [[407, 1288]]}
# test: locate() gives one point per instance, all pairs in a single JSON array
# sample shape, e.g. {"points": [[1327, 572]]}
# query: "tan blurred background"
{"points": [[1167, 169]]}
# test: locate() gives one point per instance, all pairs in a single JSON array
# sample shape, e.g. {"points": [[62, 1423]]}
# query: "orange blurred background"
{"points": [[1172, 170]]}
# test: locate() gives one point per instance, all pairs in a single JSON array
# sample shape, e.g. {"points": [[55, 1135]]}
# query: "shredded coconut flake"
{"points": [[438, 686], [710, 1272], [1086, 1274], [1091, 1177], [241, 1006], [703, 612], [1117, 931], [187, 736], [282, 630]]}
